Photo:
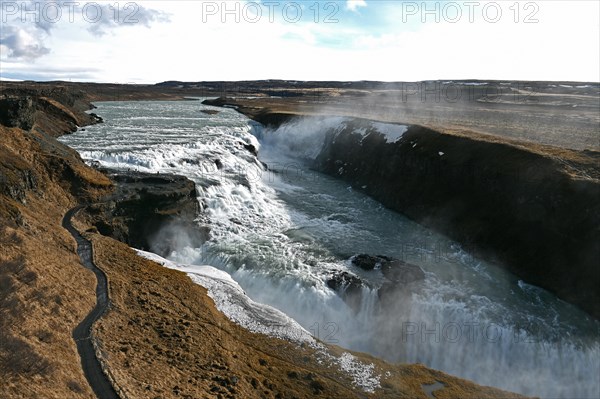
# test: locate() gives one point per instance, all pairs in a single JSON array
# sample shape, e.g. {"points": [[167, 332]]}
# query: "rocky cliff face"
{"points": [[17, 112], [536, 212], [261, 115], [53, 110], [150, 212]]}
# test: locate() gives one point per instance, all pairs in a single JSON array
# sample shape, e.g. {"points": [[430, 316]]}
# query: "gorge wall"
{"points": [[533, 210]]}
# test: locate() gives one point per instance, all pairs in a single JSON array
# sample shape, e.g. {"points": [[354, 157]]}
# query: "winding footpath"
{"points": [[82, 333]]}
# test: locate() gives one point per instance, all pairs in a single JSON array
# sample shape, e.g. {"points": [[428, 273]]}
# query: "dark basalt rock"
{"points": [[217, 102], [400, 272], [368, 262], [348, 287], [344, 281], [151, 212], [535, 214], [17, 112], [96, 118], [250, 149], [395, 270]]}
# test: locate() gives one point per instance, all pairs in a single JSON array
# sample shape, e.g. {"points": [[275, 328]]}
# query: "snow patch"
{"points": [[362, 374], [391, 131], [233, 302]]}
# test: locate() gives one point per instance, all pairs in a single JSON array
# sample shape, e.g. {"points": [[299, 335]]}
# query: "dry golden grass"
{"points": [[44, 294], [44, 291]]}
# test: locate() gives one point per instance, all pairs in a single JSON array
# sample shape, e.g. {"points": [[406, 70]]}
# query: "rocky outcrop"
{"points": [[348, 287], [52, 110], [32, 162], [150, 212], [17, 112], [395, 270], [264, 116], [16, 177], [535, 212], [397, 273]]}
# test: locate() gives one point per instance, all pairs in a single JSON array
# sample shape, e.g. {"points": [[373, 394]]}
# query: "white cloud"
{"points": [[28, 26], [20, 43], [135, 15], [354, 5], [562, 46]]}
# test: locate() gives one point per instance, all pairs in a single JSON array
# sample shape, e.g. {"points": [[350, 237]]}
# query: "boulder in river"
{"points": [[368, 262], [348, 287], [397, 272]]}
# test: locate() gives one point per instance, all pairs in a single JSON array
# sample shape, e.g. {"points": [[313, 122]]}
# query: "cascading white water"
{"points": [[282, 232]]}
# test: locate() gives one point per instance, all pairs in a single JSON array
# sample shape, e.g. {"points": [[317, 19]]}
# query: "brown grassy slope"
{"points": [[163, 337], [44, 292]]}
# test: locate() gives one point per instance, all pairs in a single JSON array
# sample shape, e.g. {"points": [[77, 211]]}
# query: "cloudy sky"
{"points": [[153, 41]]}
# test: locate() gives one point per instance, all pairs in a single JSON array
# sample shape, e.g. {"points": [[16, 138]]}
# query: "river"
{"points": [[282, 230]]}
